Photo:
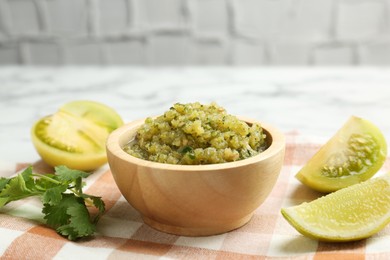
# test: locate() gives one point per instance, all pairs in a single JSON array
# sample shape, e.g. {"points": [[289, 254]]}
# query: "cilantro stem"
{"points": [[75, 191], [46, 178]]}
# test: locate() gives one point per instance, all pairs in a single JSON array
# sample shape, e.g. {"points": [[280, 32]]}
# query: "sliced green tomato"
{"points": [[354, 154], [75, 136]]}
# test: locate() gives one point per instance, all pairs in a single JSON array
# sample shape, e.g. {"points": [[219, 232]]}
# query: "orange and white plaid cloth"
{"points": [[123, 235]]}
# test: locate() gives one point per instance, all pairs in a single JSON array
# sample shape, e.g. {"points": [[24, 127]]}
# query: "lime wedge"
{"points": [[349, 214]]}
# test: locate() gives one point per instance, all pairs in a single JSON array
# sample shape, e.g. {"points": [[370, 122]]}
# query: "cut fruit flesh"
{"points": [[349, 214], [354, 154], [95, 112], [71, 137], [72, 134]]}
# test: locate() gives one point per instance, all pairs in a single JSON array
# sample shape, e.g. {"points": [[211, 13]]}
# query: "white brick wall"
{"points": [[195, 32]]}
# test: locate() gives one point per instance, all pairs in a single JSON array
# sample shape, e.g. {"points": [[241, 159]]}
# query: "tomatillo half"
{"points": [[75, 135], [354, 154]]}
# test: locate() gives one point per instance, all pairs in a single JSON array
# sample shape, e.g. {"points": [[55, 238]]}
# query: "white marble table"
{"points": [[315, 102]]}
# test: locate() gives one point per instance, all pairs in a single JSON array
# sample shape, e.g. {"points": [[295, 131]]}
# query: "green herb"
{"points": [[64, 203], [186, 149], [189, 151]]}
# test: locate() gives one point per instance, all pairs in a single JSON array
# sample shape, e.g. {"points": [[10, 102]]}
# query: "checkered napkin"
{"points": [[123, 235]]}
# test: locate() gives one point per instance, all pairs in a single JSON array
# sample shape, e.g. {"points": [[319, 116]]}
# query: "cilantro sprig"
{"points": [[65, 206]]}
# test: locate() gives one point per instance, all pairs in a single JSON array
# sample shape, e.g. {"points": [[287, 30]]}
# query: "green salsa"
{"points": [[194, 133]]}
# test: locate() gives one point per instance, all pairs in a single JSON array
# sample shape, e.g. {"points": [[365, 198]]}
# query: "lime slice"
{"points": [[349, 214]]}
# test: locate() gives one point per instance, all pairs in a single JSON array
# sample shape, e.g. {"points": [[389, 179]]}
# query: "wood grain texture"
{"points": [[195, 200]]}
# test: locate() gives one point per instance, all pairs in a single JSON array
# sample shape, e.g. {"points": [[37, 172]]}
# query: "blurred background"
{"points": [[195, 32]]}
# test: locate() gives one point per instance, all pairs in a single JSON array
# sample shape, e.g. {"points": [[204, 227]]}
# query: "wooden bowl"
{"points": [[195, 200]]}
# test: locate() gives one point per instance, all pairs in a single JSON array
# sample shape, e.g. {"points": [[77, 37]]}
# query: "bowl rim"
{"points": [[113, 146]]}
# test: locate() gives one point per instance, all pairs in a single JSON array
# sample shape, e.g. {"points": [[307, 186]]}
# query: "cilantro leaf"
{"points": [[69, 217], [97, 203], [53, 196], [65, 174], [28, 180], [79, 223], [3, 182], [19, 187], [56, 215]]}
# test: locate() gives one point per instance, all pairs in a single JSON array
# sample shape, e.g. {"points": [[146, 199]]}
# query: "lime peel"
{"points": [[349, 214]]}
